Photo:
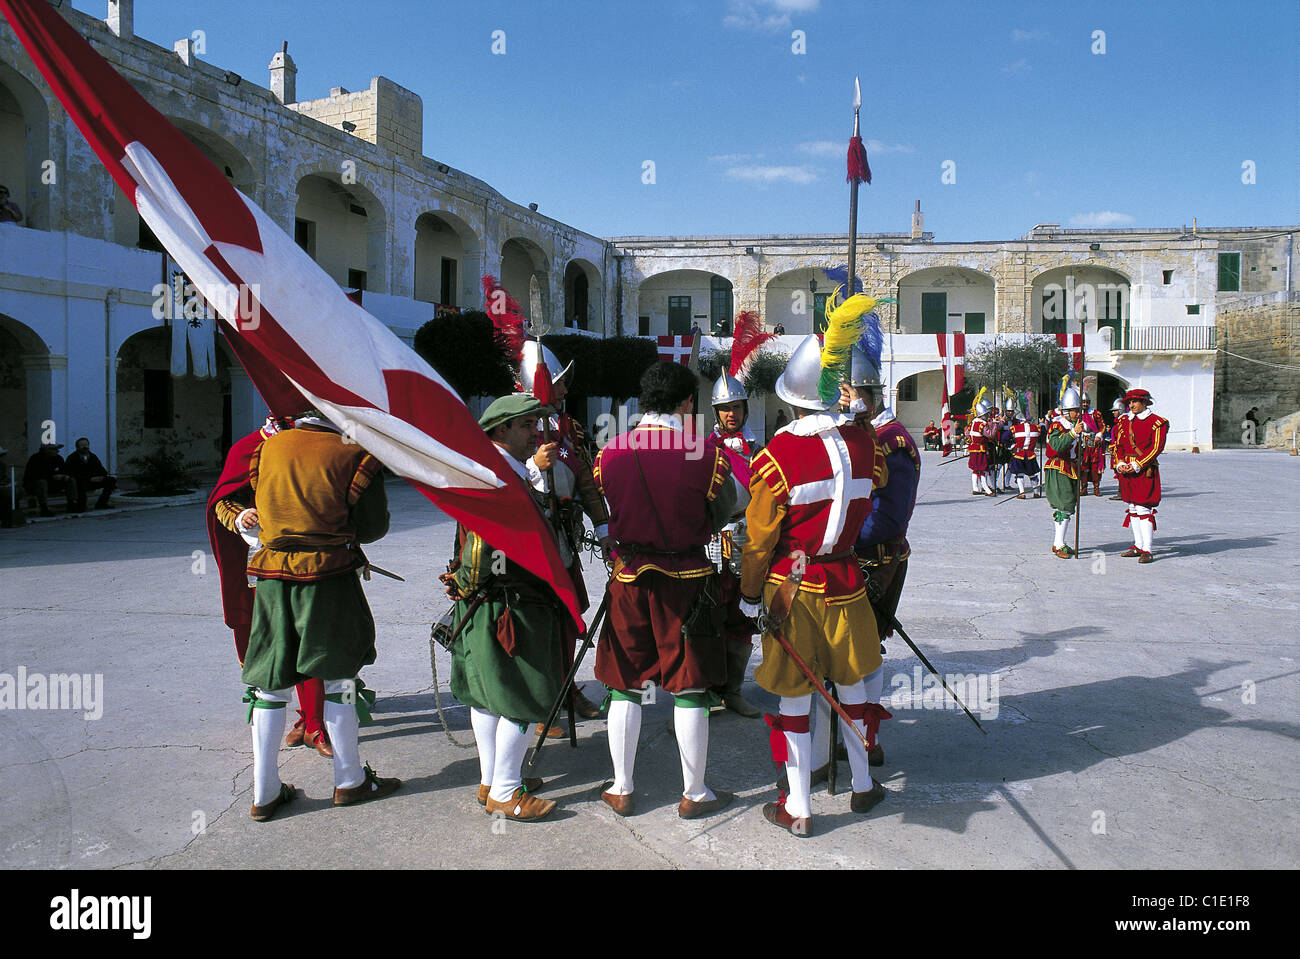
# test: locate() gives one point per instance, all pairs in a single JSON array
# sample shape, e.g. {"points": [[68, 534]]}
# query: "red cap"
{"points": [[1138, 394]]}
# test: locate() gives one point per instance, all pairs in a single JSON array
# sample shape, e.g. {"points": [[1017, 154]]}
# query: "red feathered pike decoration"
{"points": [[859, 172], [748, 337], [507, 320]]}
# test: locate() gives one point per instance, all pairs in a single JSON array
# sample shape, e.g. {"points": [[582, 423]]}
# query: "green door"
{"points": [[934, 312], [679, 315]]}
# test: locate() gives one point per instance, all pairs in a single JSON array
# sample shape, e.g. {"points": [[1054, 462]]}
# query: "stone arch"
{"points": [[917, 398], [343, 226], [525, 273], [796, 299], [673, 300], [26, 388], [947, 299], [190, 415], [1062, 294], [583, 286], [25, 146], [448, 254]]}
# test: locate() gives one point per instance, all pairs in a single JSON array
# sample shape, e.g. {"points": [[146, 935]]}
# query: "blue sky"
{"points": [[749, 136]]}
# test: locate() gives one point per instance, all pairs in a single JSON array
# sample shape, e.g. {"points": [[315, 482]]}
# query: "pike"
{"points": [[875, 594]]}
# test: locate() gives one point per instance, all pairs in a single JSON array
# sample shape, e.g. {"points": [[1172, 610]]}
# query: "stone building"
{"points": [[94, 339]]}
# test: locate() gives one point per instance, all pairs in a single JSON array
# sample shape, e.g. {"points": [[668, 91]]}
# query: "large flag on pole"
{"points": [[952, 356], [303, 342]]}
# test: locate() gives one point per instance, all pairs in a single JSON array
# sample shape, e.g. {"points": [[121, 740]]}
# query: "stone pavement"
{"points": [[1146, 717]]}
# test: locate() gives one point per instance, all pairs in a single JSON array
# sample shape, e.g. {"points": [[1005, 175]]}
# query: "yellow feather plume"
{"points": [[844, 326], [978, 399]]}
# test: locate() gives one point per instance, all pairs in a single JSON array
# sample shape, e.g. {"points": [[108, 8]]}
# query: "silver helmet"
{"points": [[528, 364], [862, 372], [1118, 405], [984, 408], [1071, 399], [1087, 402], [728, 389], [797, 385]]}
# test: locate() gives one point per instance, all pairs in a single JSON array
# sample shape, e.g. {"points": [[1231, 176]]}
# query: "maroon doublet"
{"points": [[660, 515]]}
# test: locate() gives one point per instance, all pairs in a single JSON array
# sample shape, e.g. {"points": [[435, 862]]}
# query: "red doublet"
{"points": [[978, 461], [1026, 441], [824, 483], [1140, 440]]}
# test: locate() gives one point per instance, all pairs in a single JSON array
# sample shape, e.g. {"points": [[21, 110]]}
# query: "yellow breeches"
{"points": [[839, 643]]}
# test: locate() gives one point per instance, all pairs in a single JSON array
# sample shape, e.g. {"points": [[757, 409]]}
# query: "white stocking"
{"points": [[343, 726], [798, 767], [268, 729], [1020, 482], [624, 731], [511, 747], [484, 725], [1062, 527], [692, 727]]}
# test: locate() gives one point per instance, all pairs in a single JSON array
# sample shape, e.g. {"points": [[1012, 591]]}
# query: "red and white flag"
{"points": [[676, 349], [952, 354], [303, 342], [1072, 343]]}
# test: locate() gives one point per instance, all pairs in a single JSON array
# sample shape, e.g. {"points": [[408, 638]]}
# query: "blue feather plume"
{"points": [[839, 275], [872, 341]]}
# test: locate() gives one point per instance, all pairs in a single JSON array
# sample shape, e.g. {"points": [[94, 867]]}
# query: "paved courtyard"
{"points": [[1146, 717]]}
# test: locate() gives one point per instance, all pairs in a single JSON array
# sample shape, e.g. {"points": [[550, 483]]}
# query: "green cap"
{"points": [[506, 408]]}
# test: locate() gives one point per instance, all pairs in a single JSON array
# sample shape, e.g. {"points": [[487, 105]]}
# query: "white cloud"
{"points": [[823, 148], [830, 148], [767, 15], [1021, 36], [772, 174], [733, 158], [880, 146], [1020, 65], [1102, 219]]}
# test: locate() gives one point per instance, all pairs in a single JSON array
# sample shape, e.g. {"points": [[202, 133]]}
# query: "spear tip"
{"points": [[857, 95]]}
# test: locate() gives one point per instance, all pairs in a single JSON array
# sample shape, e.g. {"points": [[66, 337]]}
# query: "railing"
{"points": [[1157, 338]]}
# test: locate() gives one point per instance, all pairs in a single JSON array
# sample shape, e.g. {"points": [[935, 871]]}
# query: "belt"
{"points": [[639, 549], [826, 557]]}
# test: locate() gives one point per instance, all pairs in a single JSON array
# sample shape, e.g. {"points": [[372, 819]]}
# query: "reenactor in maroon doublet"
{"points": [[1139, 439], [668, 493]]}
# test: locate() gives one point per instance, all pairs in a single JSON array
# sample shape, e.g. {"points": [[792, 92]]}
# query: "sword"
{"points": [[955, 459], [874, 594], [372, 568], [766, 625]]}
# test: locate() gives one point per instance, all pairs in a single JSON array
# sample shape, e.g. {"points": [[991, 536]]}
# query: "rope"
{"points": [[437, 697], [1276, 366]]}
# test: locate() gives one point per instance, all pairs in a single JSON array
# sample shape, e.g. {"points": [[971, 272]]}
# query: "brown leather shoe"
{"points": [[263, 813], [523, 806], [775, 814], [1131, 551], [690, 809], [583, 707], [295, 737], [623, 805], [1145, 557], [555, 732], [372, 787], [1062, 552], [865, 802], [532, 784], [876, 756], [320, 742]]}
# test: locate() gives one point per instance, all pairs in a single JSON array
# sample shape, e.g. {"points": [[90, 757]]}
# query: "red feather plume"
{"points": [[507, 320], [749, 336]]}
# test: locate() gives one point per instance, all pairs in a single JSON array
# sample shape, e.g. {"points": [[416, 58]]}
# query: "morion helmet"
{"points": [[797, 385], [528, 365], [1071, 399], [862, 372], [984, 408], [727, 389]]}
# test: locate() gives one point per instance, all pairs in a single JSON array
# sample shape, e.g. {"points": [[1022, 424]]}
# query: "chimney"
{"points": [[284, 76], [918, 222], [121, 18], [185, 50]]}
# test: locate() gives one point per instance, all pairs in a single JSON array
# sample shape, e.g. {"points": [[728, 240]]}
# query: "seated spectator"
{"points": [[9, 212], [46, 474], [780, 330], [88, 472], [932, 435]]}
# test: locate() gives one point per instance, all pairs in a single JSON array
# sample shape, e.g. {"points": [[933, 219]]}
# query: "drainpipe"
{"points": [[110, 385]]}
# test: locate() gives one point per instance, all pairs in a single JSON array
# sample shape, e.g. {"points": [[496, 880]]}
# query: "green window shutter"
{"points": [[1229, 272], [974, 323], [934, 312]]}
